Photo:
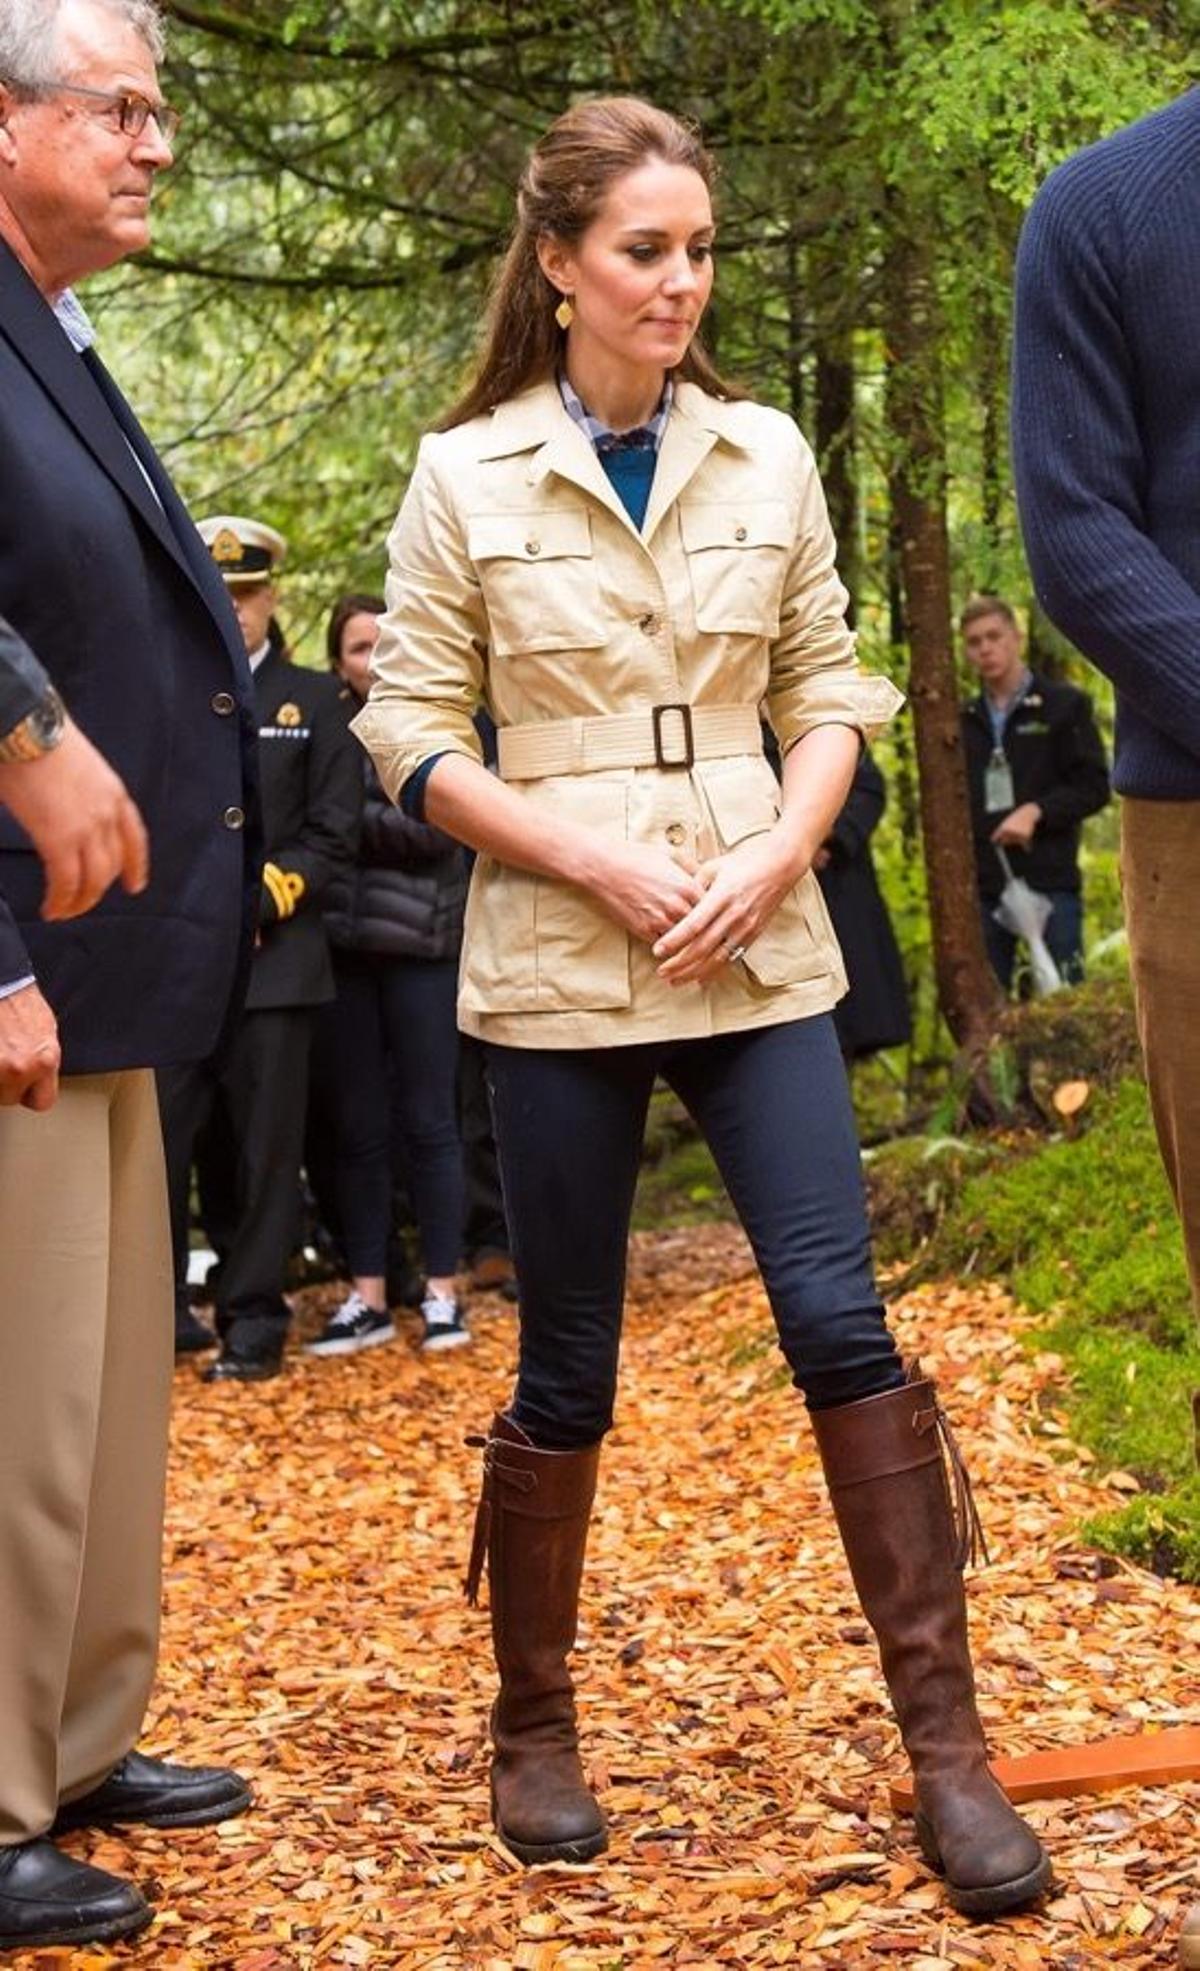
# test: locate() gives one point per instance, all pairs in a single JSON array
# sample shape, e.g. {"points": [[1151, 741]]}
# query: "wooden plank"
{"points": [[1147, 1758]]}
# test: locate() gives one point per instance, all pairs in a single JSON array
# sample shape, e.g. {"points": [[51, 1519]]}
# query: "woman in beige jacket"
{"points": [[627, 562]]}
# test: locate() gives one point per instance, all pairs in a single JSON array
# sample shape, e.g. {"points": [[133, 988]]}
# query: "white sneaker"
{"points": [[444, 1324], [352, 1326]]}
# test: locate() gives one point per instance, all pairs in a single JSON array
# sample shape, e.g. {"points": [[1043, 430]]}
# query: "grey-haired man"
{"points": [[106, 583]]}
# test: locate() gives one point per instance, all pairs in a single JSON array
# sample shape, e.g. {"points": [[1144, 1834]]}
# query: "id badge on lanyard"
{"points": [[998, 795]]}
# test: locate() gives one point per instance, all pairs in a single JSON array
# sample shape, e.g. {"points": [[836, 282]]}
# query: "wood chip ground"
{"points": [[734, 1719]]}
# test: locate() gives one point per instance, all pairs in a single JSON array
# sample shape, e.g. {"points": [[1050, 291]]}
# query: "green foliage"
{"points": [[1086, 1223], [1162, 1533], [1084, 1230]]}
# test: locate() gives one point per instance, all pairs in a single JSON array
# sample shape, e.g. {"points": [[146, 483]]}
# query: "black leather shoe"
{"points": [[191, 1335], [154, 1794], [236, 1365], [47, 1898]]}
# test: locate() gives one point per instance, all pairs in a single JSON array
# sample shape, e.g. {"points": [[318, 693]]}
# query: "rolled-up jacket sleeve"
{"points": [[428, 668], [816, 678]]}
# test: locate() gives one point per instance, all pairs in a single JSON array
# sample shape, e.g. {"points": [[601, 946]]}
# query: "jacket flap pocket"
{"points": [[530, 537], [743, 798], [746, 524]]}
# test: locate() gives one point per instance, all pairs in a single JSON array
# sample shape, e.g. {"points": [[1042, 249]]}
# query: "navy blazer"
{"points": [[105, 577]]}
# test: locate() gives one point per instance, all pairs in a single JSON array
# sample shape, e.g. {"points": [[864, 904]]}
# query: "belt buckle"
{"points": [[657, 714]]}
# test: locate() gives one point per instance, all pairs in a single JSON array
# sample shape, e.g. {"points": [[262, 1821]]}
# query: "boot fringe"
{"points": [[970, 1541]]}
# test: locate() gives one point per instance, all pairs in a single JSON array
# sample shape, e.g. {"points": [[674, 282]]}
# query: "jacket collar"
{"points": [[537, 422], [1034, 693]]}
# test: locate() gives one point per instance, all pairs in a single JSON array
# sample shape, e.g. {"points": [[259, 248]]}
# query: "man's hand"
{"points": [[81, 821], [1016, 831], [29, 1050]]}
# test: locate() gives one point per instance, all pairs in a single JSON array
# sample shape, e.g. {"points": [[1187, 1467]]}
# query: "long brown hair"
{"points": [[565, 182]]}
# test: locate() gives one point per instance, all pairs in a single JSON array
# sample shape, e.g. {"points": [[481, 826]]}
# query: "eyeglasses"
{"points": [[124, 107]]}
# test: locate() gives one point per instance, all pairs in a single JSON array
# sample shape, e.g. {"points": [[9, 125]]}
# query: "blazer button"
{"points": [[223, 703], [676, 834], [648, 624], [533, 547], [234, 818], [739, 533]]}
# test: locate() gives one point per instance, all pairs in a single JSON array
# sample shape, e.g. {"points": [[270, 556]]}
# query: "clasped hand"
{"points": [[694, 914]]}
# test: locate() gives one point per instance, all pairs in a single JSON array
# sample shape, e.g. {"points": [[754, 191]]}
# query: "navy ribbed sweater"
{"points": [[1106, 430]]}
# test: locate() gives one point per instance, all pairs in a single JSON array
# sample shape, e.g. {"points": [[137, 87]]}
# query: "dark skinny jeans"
{"points": [[388, 1058], [774, 1107]]}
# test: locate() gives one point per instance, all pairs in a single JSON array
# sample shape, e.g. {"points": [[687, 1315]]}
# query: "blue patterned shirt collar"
{"points": [[73, 321], [643, 438]]}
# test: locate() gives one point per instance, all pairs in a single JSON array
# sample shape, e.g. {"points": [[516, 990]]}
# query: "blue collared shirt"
{"points": [[644, 437], [628, 458]]}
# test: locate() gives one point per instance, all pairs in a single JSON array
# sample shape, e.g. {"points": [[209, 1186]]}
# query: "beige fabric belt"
{"points": [[669, 736]]}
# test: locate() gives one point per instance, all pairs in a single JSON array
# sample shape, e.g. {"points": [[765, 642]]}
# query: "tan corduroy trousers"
{"points": [[1160, 877], [85, 1382]]}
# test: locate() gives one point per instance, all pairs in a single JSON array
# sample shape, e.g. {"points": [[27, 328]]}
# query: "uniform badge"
{"points": [[288, 714], [226, 547]]}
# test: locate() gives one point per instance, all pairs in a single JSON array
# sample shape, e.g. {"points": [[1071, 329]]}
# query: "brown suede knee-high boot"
{"points": [[883, 1465], [532, 1526]]}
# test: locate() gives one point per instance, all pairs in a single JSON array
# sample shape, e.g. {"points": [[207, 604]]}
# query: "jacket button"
{"points": [[648, 624], [676, 834], [223, 703], [234, 818], [739, 533], [533, 547]]}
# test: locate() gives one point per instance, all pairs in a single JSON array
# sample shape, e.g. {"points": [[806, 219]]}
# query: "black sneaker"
{"points": [[443, 1324], [352, 1326]]}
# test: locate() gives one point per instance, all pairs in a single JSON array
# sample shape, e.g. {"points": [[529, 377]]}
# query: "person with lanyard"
{"points": [[1035, 769], [623, 557]]}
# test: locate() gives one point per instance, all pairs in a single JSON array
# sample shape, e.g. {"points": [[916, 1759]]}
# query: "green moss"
{"points": [[1084, 1230], [1162, 1533], [681, 1186], [1085, 1223]]}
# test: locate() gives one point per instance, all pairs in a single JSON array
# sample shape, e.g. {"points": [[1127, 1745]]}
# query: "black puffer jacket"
{"points": [[405, 896]]}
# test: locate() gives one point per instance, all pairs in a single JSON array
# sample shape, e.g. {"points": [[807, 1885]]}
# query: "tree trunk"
{"points": [[991, 385], [834, 446], [968, 992], [832, 272]]}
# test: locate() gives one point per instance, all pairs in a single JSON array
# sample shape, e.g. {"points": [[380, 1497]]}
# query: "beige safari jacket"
{"points": [[518, 579]]}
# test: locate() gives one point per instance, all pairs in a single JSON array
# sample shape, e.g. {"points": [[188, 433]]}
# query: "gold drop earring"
{"points": [[564, 314]]}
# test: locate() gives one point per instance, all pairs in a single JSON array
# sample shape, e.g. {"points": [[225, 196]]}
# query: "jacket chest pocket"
{"points": [[540, 584], [737, 557]]}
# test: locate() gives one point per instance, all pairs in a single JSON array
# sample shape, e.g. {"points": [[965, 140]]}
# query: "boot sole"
{"points": [[991, 1898], [181, 1817], [81, 1933], [532, 1852]]}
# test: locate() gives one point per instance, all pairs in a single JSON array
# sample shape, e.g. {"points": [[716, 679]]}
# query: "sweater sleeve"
{"points": [[1079, 462]]}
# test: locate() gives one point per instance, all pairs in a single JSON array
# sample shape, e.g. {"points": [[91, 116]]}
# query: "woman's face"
{"points": [[639, 278], [359, 636]]}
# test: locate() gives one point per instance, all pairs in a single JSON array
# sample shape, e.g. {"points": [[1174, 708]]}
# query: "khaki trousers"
{"points": [[1160, 877], [85, 1382]]}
